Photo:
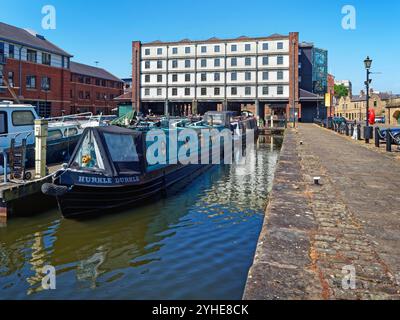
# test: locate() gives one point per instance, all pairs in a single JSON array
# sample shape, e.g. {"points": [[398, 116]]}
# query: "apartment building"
{"points": [[42, 74], [216, 74]]}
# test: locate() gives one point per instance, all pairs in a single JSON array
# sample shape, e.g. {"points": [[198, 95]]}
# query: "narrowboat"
{"points": [[109, 170]]}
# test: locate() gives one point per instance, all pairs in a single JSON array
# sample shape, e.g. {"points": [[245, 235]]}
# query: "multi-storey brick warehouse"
{"points": [[40, 73], [196, 76]]}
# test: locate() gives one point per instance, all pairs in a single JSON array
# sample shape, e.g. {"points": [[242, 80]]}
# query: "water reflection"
{"points": [[196, 243]]}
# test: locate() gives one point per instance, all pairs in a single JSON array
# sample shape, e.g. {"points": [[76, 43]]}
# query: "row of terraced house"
{"points": [[42, 74]]}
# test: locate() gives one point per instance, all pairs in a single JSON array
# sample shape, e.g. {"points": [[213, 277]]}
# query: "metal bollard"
{"points": [[388, 141], [377, 142], [347, 130], [359, 132], [41, 133]]}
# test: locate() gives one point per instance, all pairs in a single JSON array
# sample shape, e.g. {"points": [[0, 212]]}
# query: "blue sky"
{"points": [[103, 30]]}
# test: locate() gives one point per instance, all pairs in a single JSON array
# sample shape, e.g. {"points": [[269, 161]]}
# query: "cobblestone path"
{"points": [[314, 234]]}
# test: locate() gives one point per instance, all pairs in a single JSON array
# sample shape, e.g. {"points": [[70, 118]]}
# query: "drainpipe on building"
{"points": [[294, 84], [20, 70]]}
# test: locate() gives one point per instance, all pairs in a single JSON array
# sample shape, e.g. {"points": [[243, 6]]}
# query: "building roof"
{"points": [[91, 71], [23, 37], [127, 96], [309, 96], [274, 36]]}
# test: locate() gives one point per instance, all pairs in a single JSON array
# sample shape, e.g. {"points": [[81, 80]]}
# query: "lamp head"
{"points": [[368, 63]]}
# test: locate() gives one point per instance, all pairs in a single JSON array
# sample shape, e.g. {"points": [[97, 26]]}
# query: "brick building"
{"points": [[93, 89], [262, 74], [40, 73]]}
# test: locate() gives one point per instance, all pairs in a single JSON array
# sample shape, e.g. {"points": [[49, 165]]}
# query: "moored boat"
{"points": [[109, 169]]}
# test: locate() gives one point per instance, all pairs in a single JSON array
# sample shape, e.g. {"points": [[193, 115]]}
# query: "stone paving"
{"points": [[313, 235]]}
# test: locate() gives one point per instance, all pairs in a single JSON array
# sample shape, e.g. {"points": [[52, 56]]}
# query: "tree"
{"points": [[341, 91]]}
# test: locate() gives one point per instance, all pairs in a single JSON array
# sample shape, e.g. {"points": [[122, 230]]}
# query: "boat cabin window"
{"points": [[54, 135], [122, 148], [23, 118], [88, 156], [3, 122], [215, 119], [70, 132]]}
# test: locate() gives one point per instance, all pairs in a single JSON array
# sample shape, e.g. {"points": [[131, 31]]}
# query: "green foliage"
{"points": [[341, 91]]}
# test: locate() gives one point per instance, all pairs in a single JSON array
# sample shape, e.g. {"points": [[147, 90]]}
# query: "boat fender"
{"points": [[52, 189]]}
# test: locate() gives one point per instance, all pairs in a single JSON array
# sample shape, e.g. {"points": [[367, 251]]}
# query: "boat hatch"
{"points": [[111, 150]]}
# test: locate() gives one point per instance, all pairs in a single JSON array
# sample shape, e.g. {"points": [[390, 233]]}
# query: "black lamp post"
{"points": [[367, 63]]}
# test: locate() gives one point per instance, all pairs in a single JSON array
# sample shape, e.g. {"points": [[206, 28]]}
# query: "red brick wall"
{"points": [[57, 94], [294, 59], [60, 90], [136, 48], [94, 104]]}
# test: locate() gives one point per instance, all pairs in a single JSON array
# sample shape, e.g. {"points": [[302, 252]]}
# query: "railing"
{"points": [[277, 123], [388, 136]]}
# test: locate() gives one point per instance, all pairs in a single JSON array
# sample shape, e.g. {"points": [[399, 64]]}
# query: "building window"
{"points": [[147, 52], [159, 64], [174, 50], [159, 78], [280, 45], [279, 90], [159, 91], [174, 91], [233, 76], [247, 47], [187, 77], [279, 60], [217, 91], [265, 90], [46, 83], [87, 80], [31, 56], [46, 58], [11, 78], [247, 76], [217, 76], [279, 75], [159, 51], [174, 64], [233, 91], [265, 46], [247, 91], [187, 49], [203, 91], [233, 47], [203, 77], [217, 62], [203, 49], [147, 65], [187, 91], [203, 63], [247, 61], [234, 62], [265, 61], [87, 95], [174, 78], [187, 63], [146, 78], [265, 75], [80, 94], [103, 83], [217, 48], [147, 92], [11, 51]]}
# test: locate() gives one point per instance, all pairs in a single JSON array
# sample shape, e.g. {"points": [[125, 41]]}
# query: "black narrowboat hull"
{"points": [[85, 201]]}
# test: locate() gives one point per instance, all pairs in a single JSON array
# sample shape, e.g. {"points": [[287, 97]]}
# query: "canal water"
{"points": [[197, 243]]}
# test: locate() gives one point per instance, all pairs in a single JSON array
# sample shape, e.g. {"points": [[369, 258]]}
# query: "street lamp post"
{"points": [[367, 63]]}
